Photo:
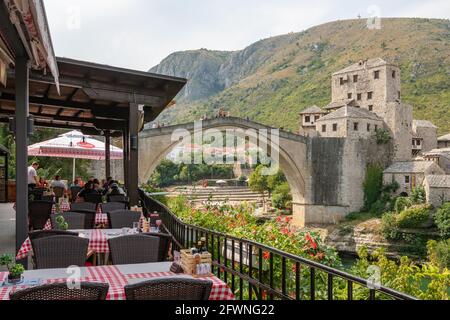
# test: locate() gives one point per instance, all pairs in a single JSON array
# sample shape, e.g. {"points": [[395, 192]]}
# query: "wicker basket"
{"points": [[190, 266]]}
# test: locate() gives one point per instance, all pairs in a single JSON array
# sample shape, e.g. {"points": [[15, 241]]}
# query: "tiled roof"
{"points": [[423, 123], [445, 137], [445, 153], [409, 167], [351, 112], [313, 110], [438, 181], [340, 104], [370, 63]]}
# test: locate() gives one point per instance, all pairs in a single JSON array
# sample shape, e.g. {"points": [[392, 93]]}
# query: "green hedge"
{"points": [[442, 220], [413, 217]]}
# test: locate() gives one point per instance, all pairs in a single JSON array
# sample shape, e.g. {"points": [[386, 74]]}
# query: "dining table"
{"points": [[117, 276], [98, 240]]}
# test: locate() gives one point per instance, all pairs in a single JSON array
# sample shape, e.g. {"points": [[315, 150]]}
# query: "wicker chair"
{"points": [[60, 252], [83, 206], [164, 244], [50, 233], [117, 198], [113, 206], [39, 213], [60, 291], [74, 191], [169, 289], [89, 218], [59, 192], [75, 220], [123, 218], [95, 198], [134, 249]]}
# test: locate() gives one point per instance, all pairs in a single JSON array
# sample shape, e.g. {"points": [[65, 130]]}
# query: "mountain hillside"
{"points": [[272, 80]]}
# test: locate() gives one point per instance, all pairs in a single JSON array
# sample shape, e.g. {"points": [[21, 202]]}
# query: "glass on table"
{"points": [[135, 227]]}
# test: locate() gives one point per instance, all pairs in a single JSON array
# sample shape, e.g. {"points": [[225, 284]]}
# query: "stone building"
{"points": [[437, 188], [424, 137], [308, 119], [441, 157], [349, 122], [444, 141], [410, 174]]}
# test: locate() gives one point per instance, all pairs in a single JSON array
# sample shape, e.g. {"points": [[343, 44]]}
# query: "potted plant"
{"points": [[15, 270], [62, 224]]}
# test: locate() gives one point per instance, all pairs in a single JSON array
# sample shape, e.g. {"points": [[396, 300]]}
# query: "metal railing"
{"points": [[256, 271]]}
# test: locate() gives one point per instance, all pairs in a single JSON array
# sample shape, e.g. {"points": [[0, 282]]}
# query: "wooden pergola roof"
{"points": [[91, 97]]}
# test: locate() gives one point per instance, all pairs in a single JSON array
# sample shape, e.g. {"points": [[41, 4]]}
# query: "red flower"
{"points": [[285, 231], [279, 219], [294, 268], [311, 241], [264, 295], [266, 255]]}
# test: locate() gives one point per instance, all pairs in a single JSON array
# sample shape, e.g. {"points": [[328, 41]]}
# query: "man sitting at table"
{"points": [[57, 183], [88, 189]]}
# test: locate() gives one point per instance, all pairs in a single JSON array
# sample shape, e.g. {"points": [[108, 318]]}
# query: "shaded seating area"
{"points": [[61, 292], [169, 289]]}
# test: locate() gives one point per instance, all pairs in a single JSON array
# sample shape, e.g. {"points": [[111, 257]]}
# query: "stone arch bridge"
{"points": [[325, 174]]}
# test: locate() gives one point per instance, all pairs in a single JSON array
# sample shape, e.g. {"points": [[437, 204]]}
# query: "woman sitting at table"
{"points": [[88, 189]]}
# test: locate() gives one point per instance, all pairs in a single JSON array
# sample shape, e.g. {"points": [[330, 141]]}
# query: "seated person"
{"points": [[88, 189], [57, 183], [115, 190]]}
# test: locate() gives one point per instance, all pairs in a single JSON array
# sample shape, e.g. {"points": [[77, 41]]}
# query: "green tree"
{"points": [[258, 181], [165, 174], [373, 186]]}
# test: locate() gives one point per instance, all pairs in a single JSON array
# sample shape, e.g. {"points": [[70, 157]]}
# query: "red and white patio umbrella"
{"points": [[74, 145]]}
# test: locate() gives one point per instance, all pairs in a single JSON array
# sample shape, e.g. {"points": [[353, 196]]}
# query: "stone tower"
{"points": [[375, 85]]}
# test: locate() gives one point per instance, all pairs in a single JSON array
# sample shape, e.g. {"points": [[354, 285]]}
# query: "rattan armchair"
{"points": [[134, 249], [59, 192], [89, 218], [164, 244], [94, 198], [60, 291], [39, 213], [75, 220], [83, 206], [60, 251], [123, 218], [169, 289], [74, 191], [113, 206]]}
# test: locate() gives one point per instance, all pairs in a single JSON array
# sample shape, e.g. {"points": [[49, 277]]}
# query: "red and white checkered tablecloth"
{"points": [[219, 291], [117, 281], [97, 243]]}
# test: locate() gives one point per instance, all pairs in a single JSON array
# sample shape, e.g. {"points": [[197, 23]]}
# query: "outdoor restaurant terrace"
{"points": [[38, 89]]}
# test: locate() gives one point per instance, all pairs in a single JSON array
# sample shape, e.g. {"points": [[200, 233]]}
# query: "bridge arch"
{"points": [[325, 174], [156, 144]]}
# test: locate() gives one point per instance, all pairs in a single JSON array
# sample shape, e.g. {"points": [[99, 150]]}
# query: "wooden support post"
{"points": [[125, 141], [107, 154], [133, 168], [22, 114]]}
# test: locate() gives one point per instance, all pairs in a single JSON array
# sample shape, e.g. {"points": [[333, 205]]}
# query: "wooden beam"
{"points": [[21, 137]]}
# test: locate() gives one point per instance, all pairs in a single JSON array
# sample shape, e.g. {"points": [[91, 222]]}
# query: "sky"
{"points": [[138, 34]]}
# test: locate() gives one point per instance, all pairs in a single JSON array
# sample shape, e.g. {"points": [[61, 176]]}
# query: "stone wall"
{"points": [[97, 169]]}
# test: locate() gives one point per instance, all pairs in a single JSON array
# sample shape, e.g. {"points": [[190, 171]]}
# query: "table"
{"points": [[98, 241], [117, 277], [100, 218]]}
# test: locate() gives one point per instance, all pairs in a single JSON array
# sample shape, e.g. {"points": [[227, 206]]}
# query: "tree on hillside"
{"points": [[258, 182]]}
